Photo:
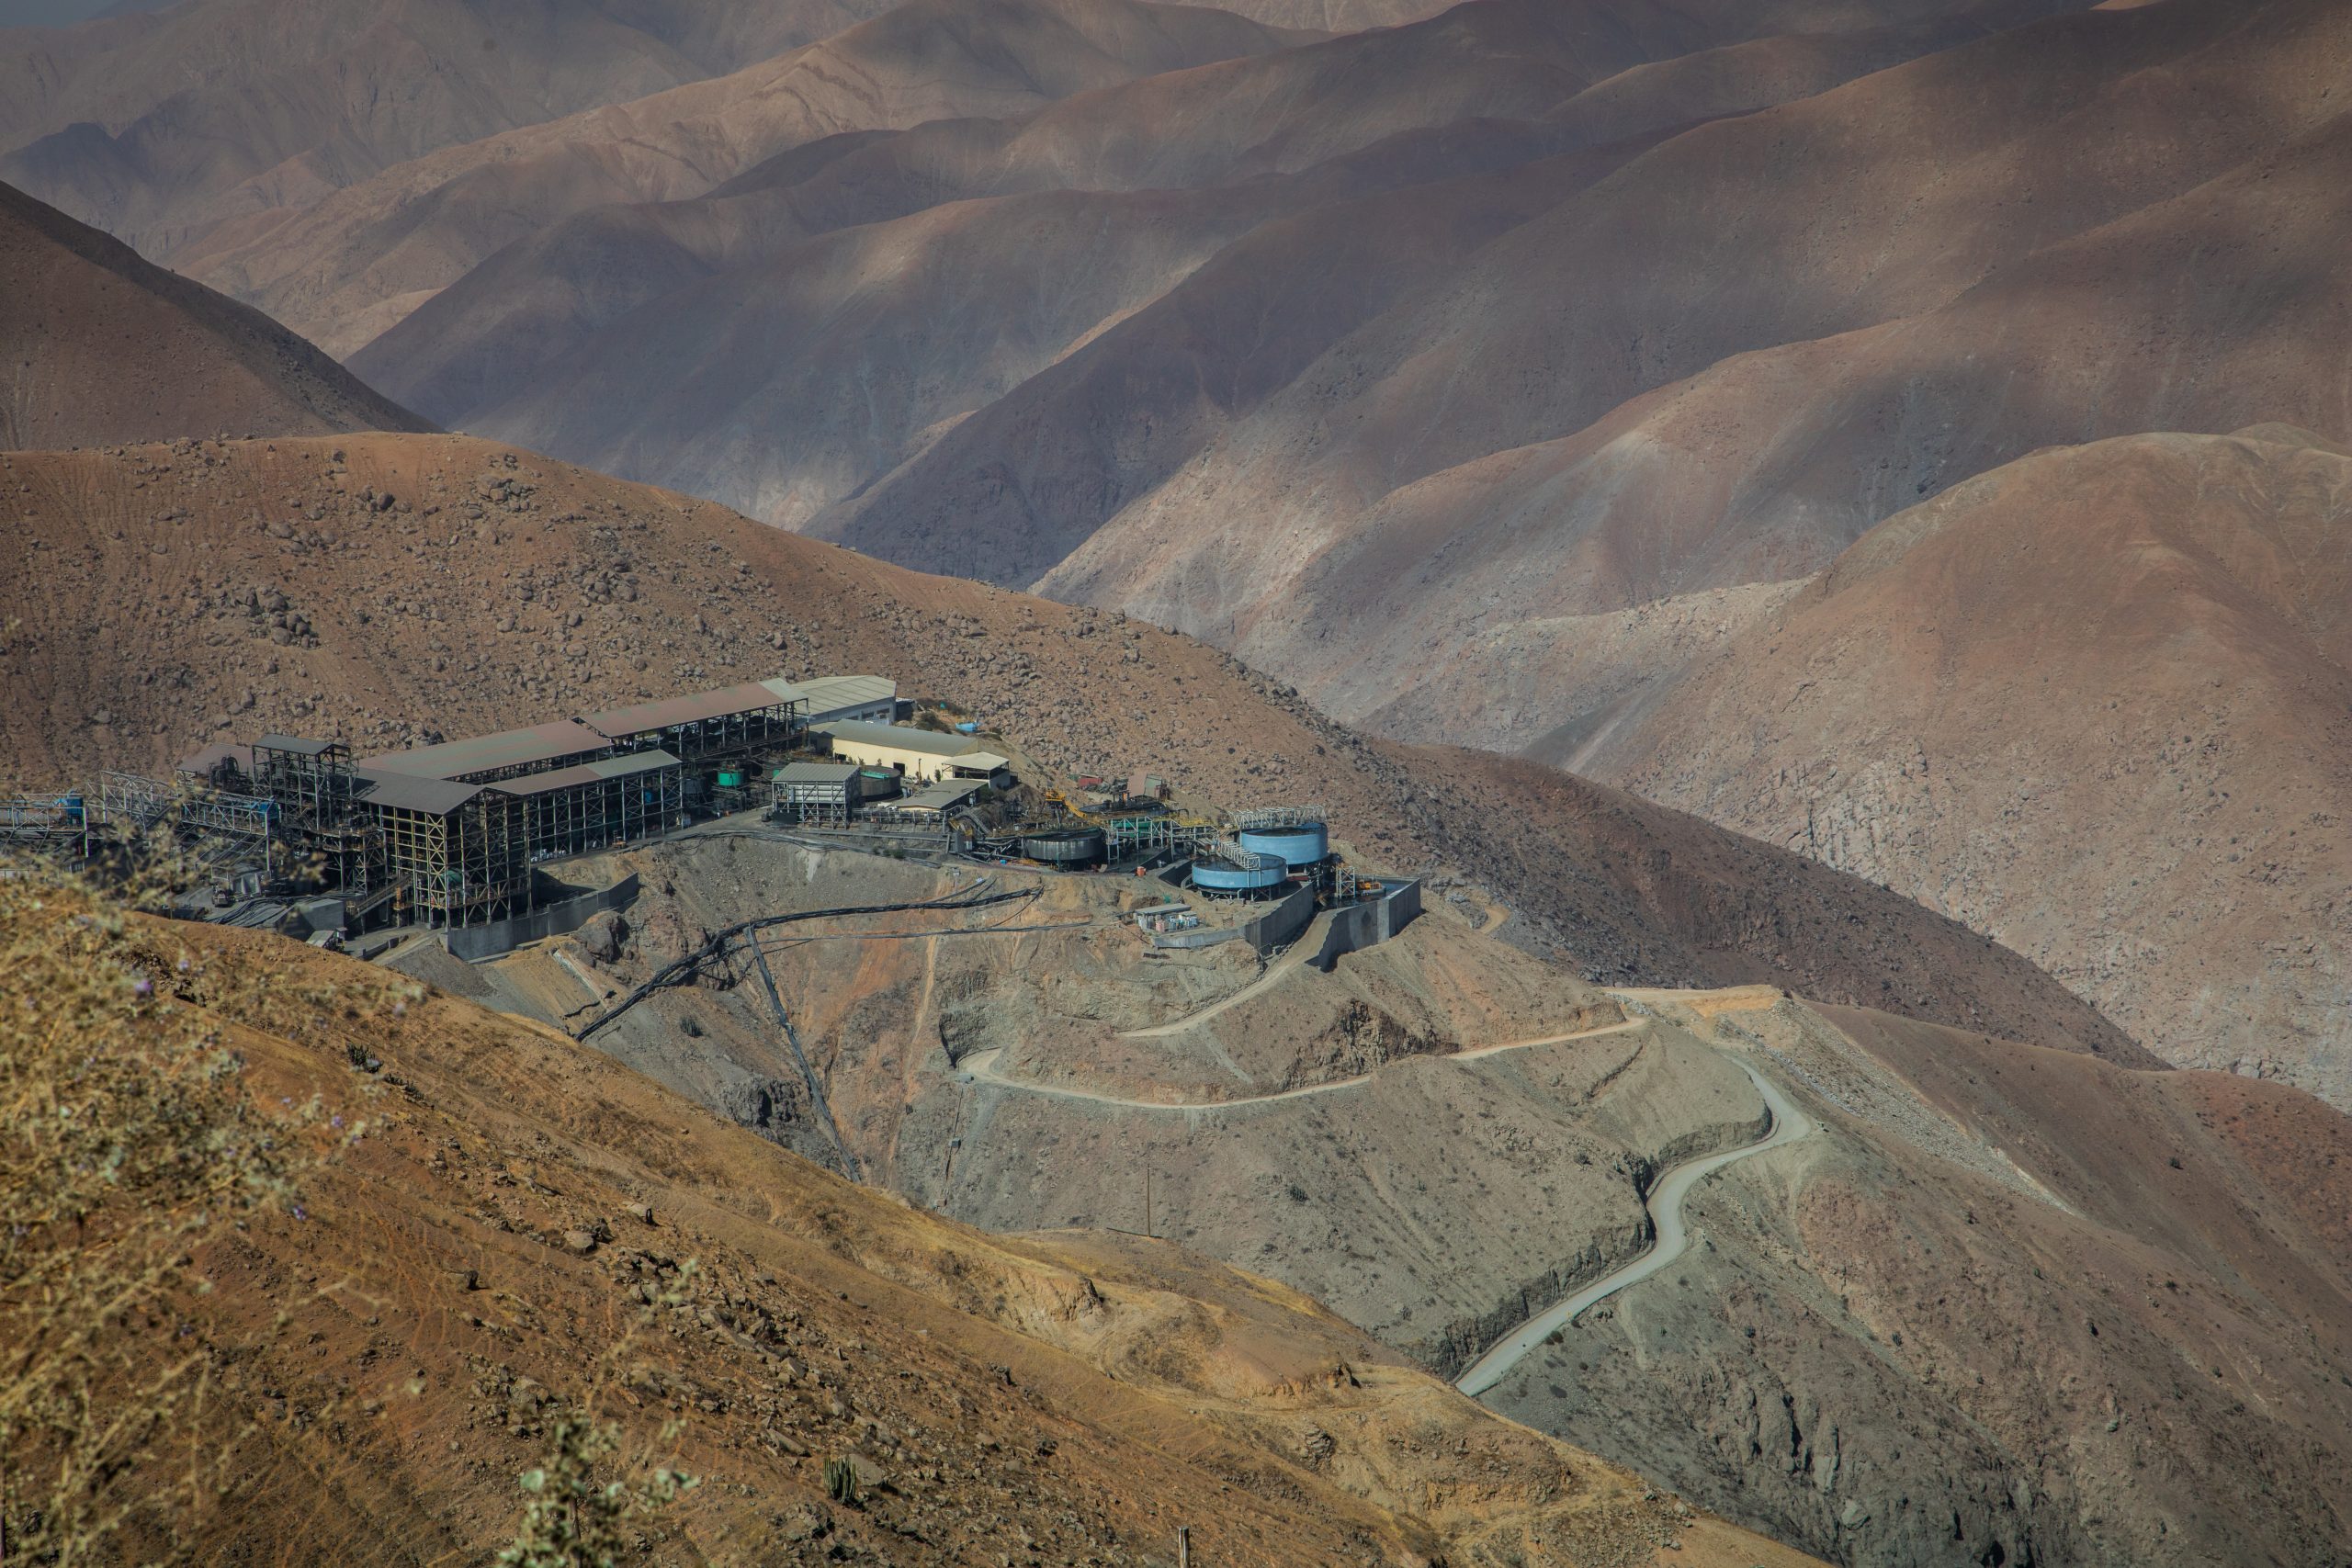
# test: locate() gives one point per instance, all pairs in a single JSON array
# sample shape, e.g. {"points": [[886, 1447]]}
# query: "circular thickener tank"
{"points": [[1308, 844], [1064, 847], [1221, 877]]}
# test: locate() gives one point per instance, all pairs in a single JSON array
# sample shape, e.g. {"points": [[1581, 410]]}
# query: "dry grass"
{"points": [[129, 1140]]}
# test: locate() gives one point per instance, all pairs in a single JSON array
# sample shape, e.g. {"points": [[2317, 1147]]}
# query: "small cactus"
{"points": [[840, 1482]]}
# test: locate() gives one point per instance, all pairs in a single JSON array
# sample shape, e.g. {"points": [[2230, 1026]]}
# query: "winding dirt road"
{"points": [[1673, 1239], [980, 1067]]}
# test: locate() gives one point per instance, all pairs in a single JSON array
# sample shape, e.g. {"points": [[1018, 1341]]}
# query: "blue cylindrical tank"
{"points": [[1218, 876], [1308, 844]]}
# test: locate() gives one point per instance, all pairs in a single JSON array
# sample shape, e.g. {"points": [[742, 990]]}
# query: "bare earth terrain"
{"points": [[440, 585], [1060, 1399], [1434, 1202], [103, 346], [2094, 703]]}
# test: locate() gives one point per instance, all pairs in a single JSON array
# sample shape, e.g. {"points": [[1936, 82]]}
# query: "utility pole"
{"points": [[1183, 1546], [1147, 1201]]}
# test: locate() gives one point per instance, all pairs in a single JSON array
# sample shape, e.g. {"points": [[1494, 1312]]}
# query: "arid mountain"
{"points": [[161, 126], [390, 586], [383, 587], [2096, 702], [97, 345], [358, 260], [462, 1277], [1282, 142]]}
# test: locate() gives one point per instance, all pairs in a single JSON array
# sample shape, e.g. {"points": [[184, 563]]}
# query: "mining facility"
{"points": [[463, 836]]}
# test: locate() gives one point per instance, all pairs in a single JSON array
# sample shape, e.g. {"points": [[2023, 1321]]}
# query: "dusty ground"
{"points": [[2094, 704], [381, 588], [2006, 1298], [1070, 1399], [103, 346], [1978, 1190]]}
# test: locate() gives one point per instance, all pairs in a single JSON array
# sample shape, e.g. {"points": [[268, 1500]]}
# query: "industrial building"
{"points": [[923, 754], [451, 834], [829, 792], [835, 699]]}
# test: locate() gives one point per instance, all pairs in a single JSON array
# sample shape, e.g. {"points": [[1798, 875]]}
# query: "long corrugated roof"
{"points": [[482, 753], [299, 745], [603, 768], [930, 743], [837, 694], [410, 792], [643, 718], [942, 794]]}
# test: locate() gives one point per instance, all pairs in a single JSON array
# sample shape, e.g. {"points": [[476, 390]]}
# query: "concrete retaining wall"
{"points": [[1278, 927], [474, 944], [1369, 923]]}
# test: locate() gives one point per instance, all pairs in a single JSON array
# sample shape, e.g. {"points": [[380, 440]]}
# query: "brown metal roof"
{"points": [[597, 771], [212, 756], [644, 718], [555, 741], [407, 792]]}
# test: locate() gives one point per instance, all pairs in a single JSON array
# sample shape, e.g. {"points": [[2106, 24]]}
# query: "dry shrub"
{"points": [[131, 1142]]}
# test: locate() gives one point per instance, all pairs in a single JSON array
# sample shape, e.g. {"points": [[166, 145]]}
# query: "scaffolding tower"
{"points": [[321, 835]]}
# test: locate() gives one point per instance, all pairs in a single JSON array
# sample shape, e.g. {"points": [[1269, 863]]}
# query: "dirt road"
{"points": [[980, 1067], [1788, 1125]]}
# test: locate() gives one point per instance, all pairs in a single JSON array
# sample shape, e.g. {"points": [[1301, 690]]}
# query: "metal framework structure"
{"points": [[50, 820], [616, 801], [738, 722], [1266, 818], [455, 867], [133, 801], [314, 788]]}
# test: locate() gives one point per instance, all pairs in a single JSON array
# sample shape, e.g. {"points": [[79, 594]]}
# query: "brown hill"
{"points": [[1434, 1191], [2093, 703], [99, 345], [1992, 1203], [637, 295], [162, 125], [452, 1283], [1882, 200], [353, 263], [2047, 1259], [444, 583]]}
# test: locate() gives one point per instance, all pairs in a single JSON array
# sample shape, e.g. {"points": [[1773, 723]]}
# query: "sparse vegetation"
{"points": [[840, 1482], [572, 1521], [132, 1147]]}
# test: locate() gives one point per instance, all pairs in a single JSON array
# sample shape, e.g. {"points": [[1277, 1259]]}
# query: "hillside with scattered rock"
{"points": [[386, 590], [476, 1263], [2093, 704]]}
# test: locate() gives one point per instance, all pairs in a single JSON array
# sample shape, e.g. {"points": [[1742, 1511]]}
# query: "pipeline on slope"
{"points": [[681, 970]]}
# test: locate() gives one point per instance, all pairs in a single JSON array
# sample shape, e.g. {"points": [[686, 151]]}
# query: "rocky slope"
{"points": [[1997, 1310], [462, 1275], [353, 263], [1282, 145], [382, 588], [165, 124], [1841, 1360], [2093, 703], [1440, 1199], [97, 345]]}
